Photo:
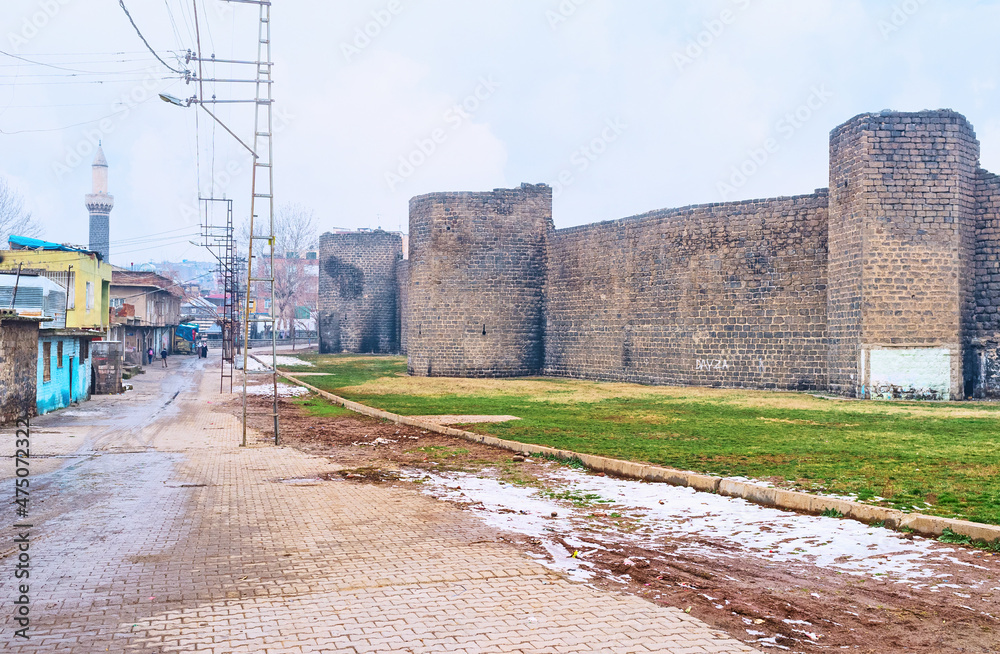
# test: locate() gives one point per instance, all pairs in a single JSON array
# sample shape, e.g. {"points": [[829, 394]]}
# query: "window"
{"points": [[117, 302], [84, 350], [46, 361], [59, 355], [71, 291], [90, 296]]}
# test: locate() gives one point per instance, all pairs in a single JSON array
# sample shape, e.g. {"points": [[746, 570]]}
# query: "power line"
{"points": [[87, 53], [59, 129], [38, 63], [131, 71], [149, 47], [162, 288], [90, 61], [96, 81]]}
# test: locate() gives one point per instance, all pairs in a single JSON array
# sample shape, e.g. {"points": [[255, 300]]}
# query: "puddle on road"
{"points": [[80, 413]]}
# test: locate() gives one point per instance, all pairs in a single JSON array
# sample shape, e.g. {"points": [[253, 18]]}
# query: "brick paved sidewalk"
{"points": [[197, 545]]}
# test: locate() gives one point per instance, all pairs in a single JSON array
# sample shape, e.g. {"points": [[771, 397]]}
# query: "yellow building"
{"points": [[83, 273]]}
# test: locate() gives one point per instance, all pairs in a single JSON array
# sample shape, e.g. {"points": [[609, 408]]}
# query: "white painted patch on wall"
{"points": [[917, 373]]}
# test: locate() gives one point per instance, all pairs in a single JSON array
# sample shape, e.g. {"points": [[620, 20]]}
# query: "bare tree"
{"points": [[294, 235], [14, 220]]}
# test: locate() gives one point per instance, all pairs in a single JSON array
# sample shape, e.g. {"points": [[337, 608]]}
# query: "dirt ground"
{"points": [[763, 603]]}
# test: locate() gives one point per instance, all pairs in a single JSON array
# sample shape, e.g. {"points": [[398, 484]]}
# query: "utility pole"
{"points": [[261, 195]]}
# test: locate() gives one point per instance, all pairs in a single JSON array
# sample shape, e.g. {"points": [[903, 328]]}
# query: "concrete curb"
{"points": [[924, 525]]}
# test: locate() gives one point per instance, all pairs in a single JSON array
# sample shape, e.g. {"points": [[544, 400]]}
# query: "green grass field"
{"points": [[936, 458]]}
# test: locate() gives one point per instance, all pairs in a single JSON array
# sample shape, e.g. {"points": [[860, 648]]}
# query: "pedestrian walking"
{"points": [[150, 356], [163, 356]]}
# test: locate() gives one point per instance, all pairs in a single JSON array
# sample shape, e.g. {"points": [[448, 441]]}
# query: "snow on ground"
{"points": [[288, 362], [689, 519], [284, 390]]}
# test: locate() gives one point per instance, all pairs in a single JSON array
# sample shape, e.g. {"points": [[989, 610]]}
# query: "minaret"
{"points": [[99, 204]]}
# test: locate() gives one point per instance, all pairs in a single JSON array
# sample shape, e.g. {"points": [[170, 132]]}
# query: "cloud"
{"points": [[346, 123]]}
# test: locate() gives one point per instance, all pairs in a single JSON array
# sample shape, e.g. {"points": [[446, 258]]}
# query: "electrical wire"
{"points": [[163, 288], [58, 129], [38, 63], [131, 71], [98, 81], [149, 47], [87, 122], [173, 23], [90, 61], [169, 231]]}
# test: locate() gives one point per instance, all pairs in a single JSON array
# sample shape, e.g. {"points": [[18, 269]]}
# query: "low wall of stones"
{"points": [[18, 369], [731, 295], [986, 332]]}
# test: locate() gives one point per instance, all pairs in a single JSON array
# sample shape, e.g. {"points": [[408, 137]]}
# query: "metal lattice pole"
{"points": [[262, 211]]}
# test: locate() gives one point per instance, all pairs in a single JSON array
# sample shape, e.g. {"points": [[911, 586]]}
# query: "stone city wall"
{"points": [[887, 285], [718, 295], [986, 331], [402, 300]]}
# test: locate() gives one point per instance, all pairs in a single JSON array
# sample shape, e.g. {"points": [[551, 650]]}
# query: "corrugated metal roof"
{"points": [[36, 297]]}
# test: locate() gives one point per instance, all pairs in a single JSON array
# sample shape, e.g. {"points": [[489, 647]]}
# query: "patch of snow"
{"points": [[290, 362], [284, 390], [685, 517]]}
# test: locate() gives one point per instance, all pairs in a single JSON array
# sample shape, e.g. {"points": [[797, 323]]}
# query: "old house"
{"points": [[60, 374], [145, 311], [18, 365], [84, 274]]}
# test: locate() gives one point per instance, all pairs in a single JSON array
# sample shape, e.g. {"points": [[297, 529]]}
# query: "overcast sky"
{"points": [[623, 106]]}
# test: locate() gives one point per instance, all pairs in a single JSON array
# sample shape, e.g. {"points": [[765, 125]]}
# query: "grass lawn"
{"points": [[936, 458]]}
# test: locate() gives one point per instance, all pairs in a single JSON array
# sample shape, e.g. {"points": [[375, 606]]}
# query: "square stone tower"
{"points": [[358, 292], [902, 239]]}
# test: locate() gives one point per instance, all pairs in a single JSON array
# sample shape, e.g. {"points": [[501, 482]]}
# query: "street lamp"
{"points": [[175, 101]]}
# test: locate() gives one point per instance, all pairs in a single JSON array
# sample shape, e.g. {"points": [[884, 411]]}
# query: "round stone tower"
{"points": [[100, 204], [477, 279]]}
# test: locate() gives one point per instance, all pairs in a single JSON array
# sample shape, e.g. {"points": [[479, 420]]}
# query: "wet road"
{"points": [[154, 531]]}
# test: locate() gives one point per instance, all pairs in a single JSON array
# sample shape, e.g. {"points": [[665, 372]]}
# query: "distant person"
{"points": [[204, 349], [163, 356], [150, 356]]}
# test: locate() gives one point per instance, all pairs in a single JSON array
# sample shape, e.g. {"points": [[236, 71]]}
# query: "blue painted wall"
{"points": [[57, 393]]}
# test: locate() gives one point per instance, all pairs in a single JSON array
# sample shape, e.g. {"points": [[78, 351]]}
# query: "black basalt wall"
{"points": [[358, 292]]}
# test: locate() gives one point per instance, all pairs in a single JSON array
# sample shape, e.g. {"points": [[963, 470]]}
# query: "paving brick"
{"points": [[193, 544]]}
